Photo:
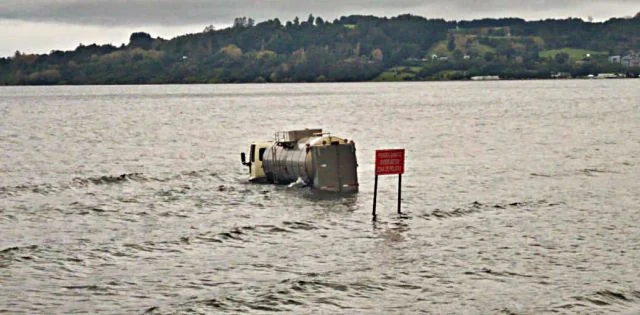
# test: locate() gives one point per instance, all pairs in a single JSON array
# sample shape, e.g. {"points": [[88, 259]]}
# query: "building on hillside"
{"points": [[632, 60], [561, 75]]}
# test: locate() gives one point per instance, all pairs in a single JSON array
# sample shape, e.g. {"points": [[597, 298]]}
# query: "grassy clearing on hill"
{"points": [[398, 74], [405, 69], [460, 41], [574, 54]]}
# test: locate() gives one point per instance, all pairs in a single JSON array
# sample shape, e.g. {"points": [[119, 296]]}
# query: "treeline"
{"points": [[353, 48]]}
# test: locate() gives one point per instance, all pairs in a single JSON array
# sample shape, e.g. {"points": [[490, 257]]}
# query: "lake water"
{"points": [[520, 197]]}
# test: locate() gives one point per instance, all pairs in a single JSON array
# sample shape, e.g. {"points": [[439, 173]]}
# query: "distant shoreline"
{"points": [[328, 82], [355, 48]]}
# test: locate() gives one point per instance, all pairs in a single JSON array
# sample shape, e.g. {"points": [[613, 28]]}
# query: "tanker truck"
{"points": [[308, 157]]}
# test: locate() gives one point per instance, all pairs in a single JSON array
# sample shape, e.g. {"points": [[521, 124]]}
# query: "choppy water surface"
{"points": [[519, 198]]}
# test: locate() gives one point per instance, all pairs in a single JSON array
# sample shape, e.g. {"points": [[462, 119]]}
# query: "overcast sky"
{"points": [[39, 26]]}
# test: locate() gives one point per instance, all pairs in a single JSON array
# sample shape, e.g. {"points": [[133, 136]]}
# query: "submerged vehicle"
{"points": [[308, 157]]}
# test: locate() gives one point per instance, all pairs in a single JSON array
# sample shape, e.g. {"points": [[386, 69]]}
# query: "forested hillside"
{"points": [[353, 48]]}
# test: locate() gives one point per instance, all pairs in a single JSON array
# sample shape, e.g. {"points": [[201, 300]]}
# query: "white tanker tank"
{"points": [[309, 157]]}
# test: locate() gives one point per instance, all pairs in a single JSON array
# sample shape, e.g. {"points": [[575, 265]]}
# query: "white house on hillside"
{"points": [[632, 60]]}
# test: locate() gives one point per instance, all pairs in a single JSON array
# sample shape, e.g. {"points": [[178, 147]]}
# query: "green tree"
{"points": [[468, 43], [377, 54], [561, 58], [457, 55], [239, 22], [232, 51], [141, 40], [243, 22], [489, 56], [451, 43]]}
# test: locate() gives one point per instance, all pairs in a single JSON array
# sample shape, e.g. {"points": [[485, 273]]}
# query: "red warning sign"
{"points": [[390, 162]]}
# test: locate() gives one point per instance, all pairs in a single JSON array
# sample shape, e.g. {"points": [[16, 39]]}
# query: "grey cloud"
{"points": [[169, 12]]}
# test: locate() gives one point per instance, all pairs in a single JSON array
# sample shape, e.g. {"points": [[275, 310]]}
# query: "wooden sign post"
{"points": [[389, 162]]}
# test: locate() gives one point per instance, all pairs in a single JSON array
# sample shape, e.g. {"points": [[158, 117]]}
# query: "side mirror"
{"points": [[243, 158]]}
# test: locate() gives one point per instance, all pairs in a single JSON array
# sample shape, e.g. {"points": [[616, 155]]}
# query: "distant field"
{"points": [[395, 76], [575, 54], [405, 69]]}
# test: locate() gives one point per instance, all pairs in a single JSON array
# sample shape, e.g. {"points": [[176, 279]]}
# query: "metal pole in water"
{"points": [[375, 194], [399, 191]]}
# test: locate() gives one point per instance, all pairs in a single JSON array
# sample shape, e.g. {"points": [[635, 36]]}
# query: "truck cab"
{"points": [[256, 155]]}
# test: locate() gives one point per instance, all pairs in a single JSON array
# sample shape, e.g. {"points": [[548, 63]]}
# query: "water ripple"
{"points": [[519, 197]]}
